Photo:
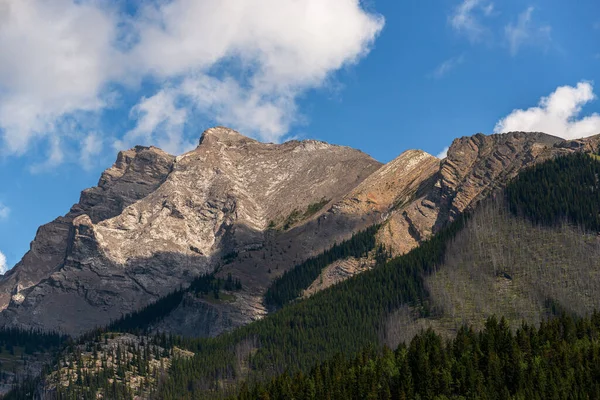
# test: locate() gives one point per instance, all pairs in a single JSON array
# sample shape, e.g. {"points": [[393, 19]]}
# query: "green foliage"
{"points": [[564, 189], [313, 208], [291, 219], [291, 284], [229, 257], [340, 320], [296, 215], [560, 360], [30, 339], [140, 321]]}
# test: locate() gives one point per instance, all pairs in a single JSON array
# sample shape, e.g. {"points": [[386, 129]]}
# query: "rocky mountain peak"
{"points": [[243, 207], [224, 136], [155, 221]]}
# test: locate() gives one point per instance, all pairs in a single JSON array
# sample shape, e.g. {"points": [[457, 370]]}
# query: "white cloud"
{"points": [[524, 32], [465, 18], [3, 265], [443, 153], [91, 146], [258, 56], [448, 66], [4, 211], [159, 122], [282, 47], [558, 114], [488, 9], [55, 69]]}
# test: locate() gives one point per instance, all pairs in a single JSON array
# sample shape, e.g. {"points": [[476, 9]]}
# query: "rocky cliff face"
{"points": [[474, 168], [156, 221], [135, 174], [416, 194], [247, 208]]}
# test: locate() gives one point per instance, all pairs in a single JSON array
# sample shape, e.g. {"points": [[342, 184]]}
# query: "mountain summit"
{"points": [[238, 206]]}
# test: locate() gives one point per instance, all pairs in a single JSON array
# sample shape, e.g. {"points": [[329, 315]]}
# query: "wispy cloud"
{"points": [[91, 146], [447, 66], [525, 32], [558, 114], [465, 18], [4, 211]]}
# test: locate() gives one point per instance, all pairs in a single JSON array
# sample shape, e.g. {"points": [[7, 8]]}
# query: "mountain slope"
{"points": [[249, 209], [114, 254], [364, 310], [135, 174], [506, 257]]}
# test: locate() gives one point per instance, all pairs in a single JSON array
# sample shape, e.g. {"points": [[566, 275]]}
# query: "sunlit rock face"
{"points": [[156, 221], [254, 210]]}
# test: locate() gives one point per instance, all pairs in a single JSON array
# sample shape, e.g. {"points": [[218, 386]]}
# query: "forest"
{"points": [[328, 346], [558, 360], [139, 322], [566, 188], [290, 285]]}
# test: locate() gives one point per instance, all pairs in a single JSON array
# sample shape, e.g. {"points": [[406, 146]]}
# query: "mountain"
{"points": [[155, 221], [505, 225], [241, 207]]}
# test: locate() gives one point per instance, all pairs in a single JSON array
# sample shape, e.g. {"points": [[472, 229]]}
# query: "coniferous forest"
{"points": [[291, 284], [567, 188], [558, 360], [329, 345]]}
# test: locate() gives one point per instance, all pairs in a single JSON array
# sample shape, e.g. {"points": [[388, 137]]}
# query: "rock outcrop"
{"points": [[421, 194], [250, 209], [136, 173], [155, 221]]}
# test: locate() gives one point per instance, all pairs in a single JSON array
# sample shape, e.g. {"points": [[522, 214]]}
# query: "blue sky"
{"points": [[381, 76]]}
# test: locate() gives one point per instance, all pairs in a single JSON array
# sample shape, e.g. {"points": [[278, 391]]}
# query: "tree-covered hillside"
{"points": [[560, 360], [290, 285], [343, 320], [567, 188]]}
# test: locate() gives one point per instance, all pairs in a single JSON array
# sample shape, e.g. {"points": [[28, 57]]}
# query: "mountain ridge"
{"points": [[155, 221]]}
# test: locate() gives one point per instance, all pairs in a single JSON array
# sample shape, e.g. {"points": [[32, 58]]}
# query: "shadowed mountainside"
{"points": [[245, 208]]}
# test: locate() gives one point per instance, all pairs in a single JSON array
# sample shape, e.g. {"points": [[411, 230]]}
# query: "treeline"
{"points": [[563, 189], [139, 322], [293, 282], [558, 360], [340, 320], [31, 340]]}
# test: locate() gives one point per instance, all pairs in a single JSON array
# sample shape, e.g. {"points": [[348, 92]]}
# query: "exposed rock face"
{"points": [[156, 221], [433, 193], [136, 173], [478, 165], [474, 168], [337, 272]]}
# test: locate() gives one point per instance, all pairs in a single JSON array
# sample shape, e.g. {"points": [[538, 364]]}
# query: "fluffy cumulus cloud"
{"points": [[3, 265], [54, 70], [557, 114], [239, 63]]}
